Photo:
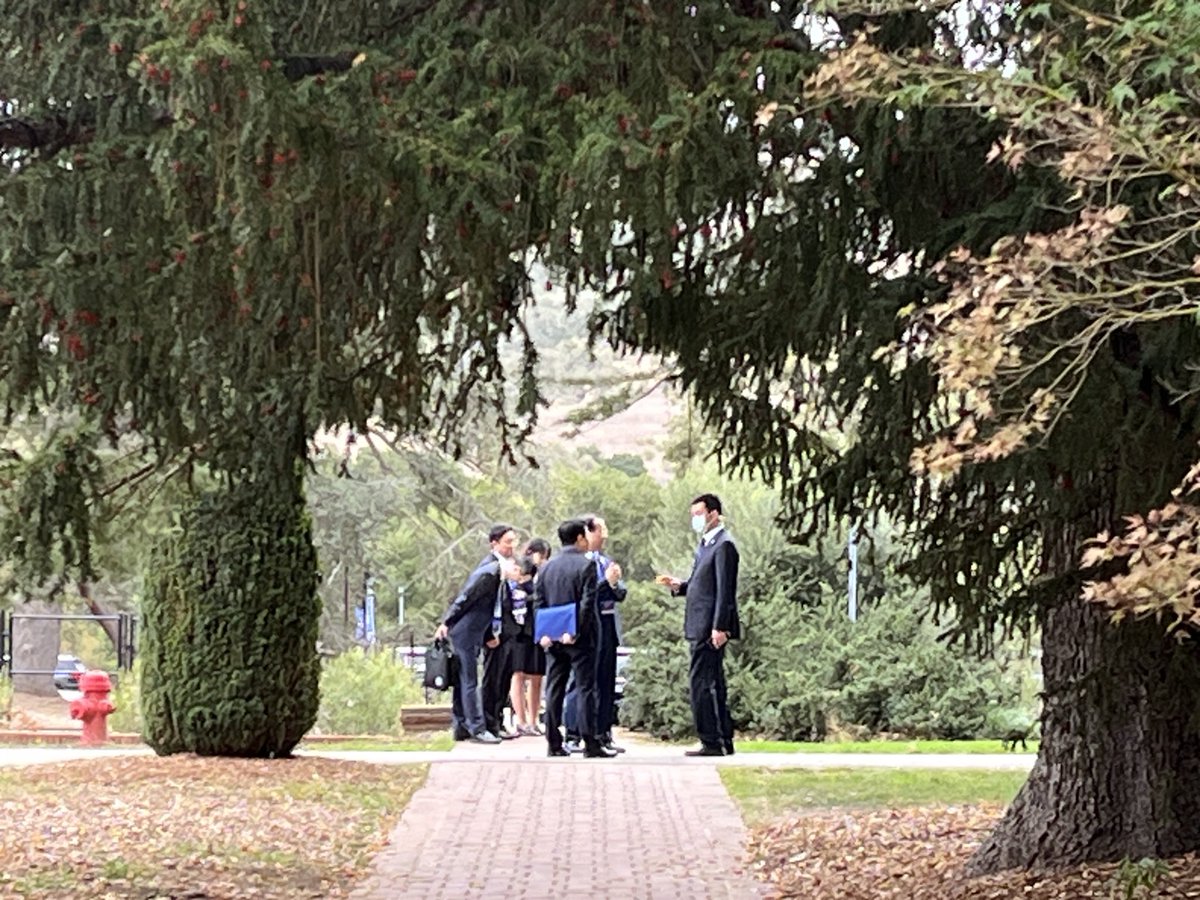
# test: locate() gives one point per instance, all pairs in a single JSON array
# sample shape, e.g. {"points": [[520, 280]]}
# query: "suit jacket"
{"points": [[608, 596], [469, 617], [570, 577], [526, 629], [509, 626], [711, 591]]}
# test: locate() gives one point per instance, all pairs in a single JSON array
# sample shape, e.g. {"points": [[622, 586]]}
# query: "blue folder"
{"points": [[555, 621]]}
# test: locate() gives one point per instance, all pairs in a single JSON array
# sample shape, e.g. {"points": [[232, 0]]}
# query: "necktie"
{"points": [[497, 607]]}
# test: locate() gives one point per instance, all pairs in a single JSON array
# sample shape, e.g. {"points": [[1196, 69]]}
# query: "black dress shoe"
{"points": [[597, 752], [705, 751], [557, 751], [462, 735], [729, 749]]}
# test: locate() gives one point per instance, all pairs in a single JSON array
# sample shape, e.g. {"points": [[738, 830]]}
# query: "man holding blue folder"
{"points": [[567, 625]]}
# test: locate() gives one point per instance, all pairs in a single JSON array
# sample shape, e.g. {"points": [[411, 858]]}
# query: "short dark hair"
{"points": [[711, 502], [570, 531], [527, 566], [498, 531], [589, 520], [538, 545]]}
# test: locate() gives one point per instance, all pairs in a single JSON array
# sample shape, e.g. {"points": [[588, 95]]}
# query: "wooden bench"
{"points": [[425, 718]]}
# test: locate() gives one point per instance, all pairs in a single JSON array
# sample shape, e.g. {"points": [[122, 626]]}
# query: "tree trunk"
{"points": [[97, 609], [35, 647], [1118, 772]]}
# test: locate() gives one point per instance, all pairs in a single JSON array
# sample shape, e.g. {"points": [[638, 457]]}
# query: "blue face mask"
{"points": [[698, 524]]}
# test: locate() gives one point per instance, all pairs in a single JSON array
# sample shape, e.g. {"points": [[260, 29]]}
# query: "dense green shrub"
{"points": [[230, 625], [362, 693], [127, 698], [802, 672]]}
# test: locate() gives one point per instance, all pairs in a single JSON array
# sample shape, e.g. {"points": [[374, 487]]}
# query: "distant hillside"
{"points": [[635, 404]]}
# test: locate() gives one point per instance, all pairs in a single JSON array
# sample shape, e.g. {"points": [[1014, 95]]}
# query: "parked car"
{"points": [[67, 671], [623, 656]]}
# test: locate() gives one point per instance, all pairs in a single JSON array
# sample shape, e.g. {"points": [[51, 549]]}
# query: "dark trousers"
{"points": [[710, 702], [570, 717], [606, 676], [497, 679], [563, 661], [467, 713]]}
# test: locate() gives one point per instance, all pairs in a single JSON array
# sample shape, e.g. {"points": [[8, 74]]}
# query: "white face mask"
{"points": [[698, 524]]}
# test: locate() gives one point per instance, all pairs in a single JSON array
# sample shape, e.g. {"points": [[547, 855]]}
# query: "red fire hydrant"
{"points": [[94, 707]]}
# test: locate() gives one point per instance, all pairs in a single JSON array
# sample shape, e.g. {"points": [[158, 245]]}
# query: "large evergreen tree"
{"points": [[224, 224]]}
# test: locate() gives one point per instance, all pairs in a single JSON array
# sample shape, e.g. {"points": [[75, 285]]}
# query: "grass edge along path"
{"points": [[419, 742], [921, 747], [767, 793]]}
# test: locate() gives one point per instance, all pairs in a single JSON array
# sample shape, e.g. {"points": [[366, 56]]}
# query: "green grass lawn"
{"points": [[430, 741], [878, 747], [766, 793]]}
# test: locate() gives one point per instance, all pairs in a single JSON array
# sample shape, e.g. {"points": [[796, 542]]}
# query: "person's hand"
{"points": [[493, 643], [669, 581], [546, 642], [612, 574], [718, 639], [442, 632], [567, 639]]}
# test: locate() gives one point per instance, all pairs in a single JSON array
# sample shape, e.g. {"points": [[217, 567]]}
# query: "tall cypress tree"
{"points": [[222, 226]]}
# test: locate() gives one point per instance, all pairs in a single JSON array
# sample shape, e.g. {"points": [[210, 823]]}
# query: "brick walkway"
{"points": [[550, 829]]}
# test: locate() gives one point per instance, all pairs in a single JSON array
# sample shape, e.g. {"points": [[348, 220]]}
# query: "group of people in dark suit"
{"points": [[496, 614]]}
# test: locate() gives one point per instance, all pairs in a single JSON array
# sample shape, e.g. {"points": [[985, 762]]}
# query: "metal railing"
{"points": [[126, 636]]}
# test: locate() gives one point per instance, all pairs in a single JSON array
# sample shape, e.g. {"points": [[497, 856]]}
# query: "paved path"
{"points": [[561, 828], [530, 750], [669, 828]]}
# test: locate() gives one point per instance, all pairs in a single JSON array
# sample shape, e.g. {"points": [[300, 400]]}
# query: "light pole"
{"points": [[852, 587]]}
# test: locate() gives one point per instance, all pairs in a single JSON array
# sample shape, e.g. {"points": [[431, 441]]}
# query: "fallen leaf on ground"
{"points": [[919, 854], [186, 826]]}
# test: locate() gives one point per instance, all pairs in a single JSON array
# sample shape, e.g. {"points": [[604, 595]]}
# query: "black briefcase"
{"points": [[439, 666]]}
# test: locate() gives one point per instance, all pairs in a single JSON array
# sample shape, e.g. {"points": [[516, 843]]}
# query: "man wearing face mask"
{"points": [[610, 590], [710, 621]]}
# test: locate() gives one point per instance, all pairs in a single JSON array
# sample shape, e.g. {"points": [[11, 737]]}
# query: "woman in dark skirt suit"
{"points": [[528, 659]]}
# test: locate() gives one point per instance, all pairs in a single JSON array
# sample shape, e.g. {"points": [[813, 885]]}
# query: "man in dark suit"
{"points": [[610, 590], [498, 662], [710, 620], [570, 578], [474, 617]]}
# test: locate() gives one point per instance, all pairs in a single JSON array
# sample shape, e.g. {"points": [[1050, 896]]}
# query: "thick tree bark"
{"points": [[1118, 772], [35, 648]]}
